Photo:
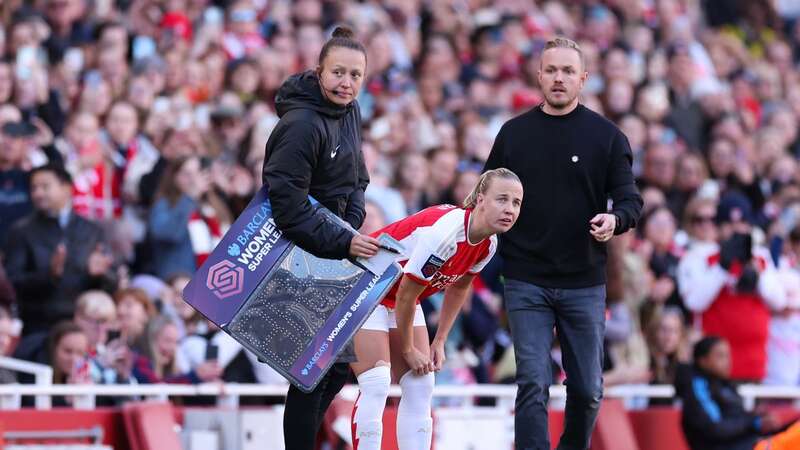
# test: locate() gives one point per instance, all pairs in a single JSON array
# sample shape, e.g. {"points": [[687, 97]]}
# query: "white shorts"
{"points": [[383, 318]]}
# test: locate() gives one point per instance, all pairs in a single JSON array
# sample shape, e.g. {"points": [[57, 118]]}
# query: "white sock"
{"points": [[414, 422], [367, 420]]}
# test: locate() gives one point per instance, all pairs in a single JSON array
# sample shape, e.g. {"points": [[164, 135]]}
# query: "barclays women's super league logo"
{"points": [[234, 250], [225, 279]]}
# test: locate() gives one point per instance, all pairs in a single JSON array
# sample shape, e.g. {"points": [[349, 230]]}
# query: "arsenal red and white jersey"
{"points": [[437, 251]]}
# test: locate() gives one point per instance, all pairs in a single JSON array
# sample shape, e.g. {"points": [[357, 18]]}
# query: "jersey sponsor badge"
{"points": [[433, 264]]}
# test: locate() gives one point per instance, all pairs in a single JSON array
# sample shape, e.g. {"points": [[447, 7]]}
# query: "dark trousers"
{"points": [[578, 316], [304, 412]]}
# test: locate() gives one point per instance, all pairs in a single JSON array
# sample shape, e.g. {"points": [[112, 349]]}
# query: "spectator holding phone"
{"points": [[159, 363], [732, 286], [187, 220], [134, 311], [69, 356], [95, 314], [237, 364], [110, 356]]}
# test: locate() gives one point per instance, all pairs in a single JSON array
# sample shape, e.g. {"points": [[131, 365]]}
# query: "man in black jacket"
{"points": [[52, 255], [315, 149], [713, 414], [570, 161]]}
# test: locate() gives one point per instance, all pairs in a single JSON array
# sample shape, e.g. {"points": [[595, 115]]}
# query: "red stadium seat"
{"points": [[131, 429], [556, 425], [151, 426], [28, 419], [786, 413], [339, 409], [614, 430], [658, 428]]}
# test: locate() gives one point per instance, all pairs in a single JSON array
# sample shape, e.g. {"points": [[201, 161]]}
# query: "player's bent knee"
{"points": [[375, 382], [417, 393], [418, 382]]}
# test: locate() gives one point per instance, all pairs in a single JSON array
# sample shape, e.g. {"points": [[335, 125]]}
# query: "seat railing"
{"points": [[84, 395]]}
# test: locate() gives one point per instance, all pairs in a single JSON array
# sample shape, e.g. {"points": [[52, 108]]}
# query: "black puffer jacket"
{"points": [[315, 149]]}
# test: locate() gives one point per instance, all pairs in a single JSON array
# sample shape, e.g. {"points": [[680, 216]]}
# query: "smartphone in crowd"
{"points": [[113, 335], [80, 370], [212, 352]]}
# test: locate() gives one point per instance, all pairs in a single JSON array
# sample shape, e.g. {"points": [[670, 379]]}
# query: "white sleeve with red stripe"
{"points": [[770, 287], [699, 280], [485, 260], [434, 246]]}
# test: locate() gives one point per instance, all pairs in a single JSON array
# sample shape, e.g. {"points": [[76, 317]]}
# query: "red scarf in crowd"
{"points": [[205, 233], [97, 192]]}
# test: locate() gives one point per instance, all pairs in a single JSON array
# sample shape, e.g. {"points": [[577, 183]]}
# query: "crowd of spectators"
{"points": [[132, 134]]}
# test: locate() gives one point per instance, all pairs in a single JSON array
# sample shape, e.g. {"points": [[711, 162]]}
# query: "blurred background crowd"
{"points": [[132, 133]]}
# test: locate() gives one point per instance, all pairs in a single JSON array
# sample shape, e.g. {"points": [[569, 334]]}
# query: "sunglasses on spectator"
{"points": [[699, 219]]}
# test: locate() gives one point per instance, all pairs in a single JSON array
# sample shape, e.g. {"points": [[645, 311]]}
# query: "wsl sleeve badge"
{"points": [[431, 266]]}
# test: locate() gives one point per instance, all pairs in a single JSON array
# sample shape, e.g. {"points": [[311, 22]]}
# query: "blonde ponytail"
{"points": [[483, 184]]}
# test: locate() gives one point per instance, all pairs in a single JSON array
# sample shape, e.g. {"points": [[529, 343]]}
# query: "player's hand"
{"points": [[363, 246], [418, 362], [437, 354], [603, 226]]}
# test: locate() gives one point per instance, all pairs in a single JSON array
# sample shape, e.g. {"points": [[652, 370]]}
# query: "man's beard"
{"points": [[555, 103]]}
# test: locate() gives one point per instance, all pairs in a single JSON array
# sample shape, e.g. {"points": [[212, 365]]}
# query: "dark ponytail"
{"points": [[342, 37], [343, 32]]}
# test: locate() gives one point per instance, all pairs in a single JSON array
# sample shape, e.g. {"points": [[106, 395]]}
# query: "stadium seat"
{"points": [[151, 426], [786, 413], [614, 430], [556, 426], [131, 430], [339, 411], [658, 428], [28, 419]]}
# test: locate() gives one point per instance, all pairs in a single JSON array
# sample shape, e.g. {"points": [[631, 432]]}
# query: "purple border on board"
{"points": [[322, 351], [225, 281]]}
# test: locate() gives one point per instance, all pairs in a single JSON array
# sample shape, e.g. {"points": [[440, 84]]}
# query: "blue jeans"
{"points": [[578, 316]]}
